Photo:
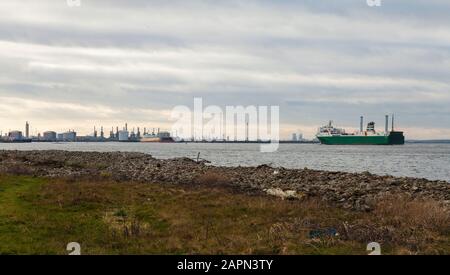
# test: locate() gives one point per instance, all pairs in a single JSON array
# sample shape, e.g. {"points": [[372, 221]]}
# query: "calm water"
{"points": [[431, 161]]}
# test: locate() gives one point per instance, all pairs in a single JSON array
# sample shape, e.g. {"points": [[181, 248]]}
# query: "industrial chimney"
{"points": [[392, 122], [361, 125], [27, 130], [386, 128]]}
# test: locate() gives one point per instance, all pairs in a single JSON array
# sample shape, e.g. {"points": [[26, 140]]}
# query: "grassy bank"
{"points": [[40, 216]]}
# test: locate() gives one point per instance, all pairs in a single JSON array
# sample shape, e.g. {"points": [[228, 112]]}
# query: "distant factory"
{"points": [[16, 135], [123, 135]]}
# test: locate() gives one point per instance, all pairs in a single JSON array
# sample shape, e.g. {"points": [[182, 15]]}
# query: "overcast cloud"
{"points": [[107, 62]]}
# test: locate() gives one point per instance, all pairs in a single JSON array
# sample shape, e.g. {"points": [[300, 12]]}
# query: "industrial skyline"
{"points": [[123, 133], [116, 133]]}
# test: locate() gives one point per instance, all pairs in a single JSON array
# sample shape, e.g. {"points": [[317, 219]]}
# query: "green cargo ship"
{"points": [[330, 135]]}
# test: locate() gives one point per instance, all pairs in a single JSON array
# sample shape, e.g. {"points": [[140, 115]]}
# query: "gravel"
{"points": [[358, 191]]}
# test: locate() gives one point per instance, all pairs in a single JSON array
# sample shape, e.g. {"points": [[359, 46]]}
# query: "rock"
{"points": [[287, 194]]}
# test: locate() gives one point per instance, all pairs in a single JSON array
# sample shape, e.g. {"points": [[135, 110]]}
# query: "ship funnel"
{"points": [[361, 124], [392, 122], [386, 128]]}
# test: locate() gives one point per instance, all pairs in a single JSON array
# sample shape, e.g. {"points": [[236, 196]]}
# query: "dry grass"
{"points": [[110, 217], [400, 211], [414, 225], [212, 179]]}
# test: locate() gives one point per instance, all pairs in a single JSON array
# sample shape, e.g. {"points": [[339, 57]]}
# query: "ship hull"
{"points": [[158, 139], [395, 138]]}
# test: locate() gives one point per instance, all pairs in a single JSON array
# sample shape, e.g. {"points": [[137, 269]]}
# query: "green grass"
{"points": [[29, 226], [40, 216]]}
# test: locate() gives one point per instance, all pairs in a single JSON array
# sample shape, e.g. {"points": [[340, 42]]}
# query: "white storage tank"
{"points": [[123, 135]]}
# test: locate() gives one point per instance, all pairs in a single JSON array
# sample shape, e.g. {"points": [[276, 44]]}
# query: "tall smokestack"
{"points": [[392, 122], [27, 130], [386, 128], [361, 124]]}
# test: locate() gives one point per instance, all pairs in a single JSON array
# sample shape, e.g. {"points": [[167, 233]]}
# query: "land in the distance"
{"points": [[131, 203]]}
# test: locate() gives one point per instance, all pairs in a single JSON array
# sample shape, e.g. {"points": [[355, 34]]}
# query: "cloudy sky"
{"points": [[107, 62]]}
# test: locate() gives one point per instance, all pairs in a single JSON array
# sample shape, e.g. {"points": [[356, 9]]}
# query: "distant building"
{"points": [[49, 136], [15, 135], [294, 137], [132, 135], [123, 135], [69, 136]]}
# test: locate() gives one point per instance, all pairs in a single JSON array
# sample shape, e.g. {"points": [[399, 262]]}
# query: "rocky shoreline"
{"points": [[357, 191]]}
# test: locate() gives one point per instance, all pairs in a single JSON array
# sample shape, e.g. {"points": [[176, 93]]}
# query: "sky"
{"points": [[105, 63]]}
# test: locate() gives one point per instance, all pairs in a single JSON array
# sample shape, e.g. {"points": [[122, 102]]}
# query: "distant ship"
{"points": [[336, 136], [159, 137]]}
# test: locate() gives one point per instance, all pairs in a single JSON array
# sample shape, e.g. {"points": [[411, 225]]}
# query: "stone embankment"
{"points": [[358, 191]]}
